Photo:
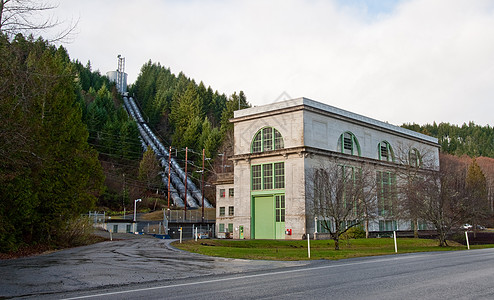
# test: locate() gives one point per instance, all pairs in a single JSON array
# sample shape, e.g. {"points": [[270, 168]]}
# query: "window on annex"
{"points": [[268, 176], [222, 211], [280, 208], [230, 192], [230, 227], [231, 210], [386, 193], [267, 139], [348, 144], [414, 158], [222, 193], [221, 227], [385, 152]]}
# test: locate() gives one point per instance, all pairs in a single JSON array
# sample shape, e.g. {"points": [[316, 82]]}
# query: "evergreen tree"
{"points": [[149, 169], [49, 174], [470, 139]]}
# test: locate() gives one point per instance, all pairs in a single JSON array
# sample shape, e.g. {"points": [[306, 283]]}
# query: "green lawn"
{"points": [[320, 249]]}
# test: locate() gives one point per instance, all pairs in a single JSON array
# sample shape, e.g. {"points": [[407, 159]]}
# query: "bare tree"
{"points": [[22, 16], [476, 186], [340, 197], [443, 199], [414, 165]]}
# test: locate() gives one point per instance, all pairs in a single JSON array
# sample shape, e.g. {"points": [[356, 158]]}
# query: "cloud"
{"points": [[406, 61]]}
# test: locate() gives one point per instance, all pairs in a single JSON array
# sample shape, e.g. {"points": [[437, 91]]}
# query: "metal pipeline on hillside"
{"points": [[177, 175]]}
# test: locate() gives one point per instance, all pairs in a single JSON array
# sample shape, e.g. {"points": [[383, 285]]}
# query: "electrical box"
{"points": [[288, 232]]}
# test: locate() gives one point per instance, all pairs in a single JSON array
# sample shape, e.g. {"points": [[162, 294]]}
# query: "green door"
{"points": [[280, 216], [264, 218]]}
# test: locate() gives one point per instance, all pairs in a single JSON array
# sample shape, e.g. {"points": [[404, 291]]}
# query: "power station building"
{"points": [[276, 147]]}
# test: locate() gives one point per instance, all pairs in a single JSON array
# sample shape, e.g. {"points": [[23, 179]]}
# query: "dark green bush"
{"points": [[355, 232]]}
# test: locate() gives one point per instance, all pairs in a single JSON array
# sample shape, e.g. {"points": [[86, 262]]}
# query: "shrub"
{"points": [[77, 232], [355, 232]]}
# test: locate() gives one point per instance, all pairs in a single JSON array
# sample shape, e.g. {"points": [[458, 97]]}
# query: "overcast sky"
{"points": [[398, 61]]}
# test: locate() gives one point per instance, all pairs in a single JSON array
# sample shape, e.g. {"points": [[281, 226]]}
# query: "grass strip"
{"points": [[320, 249]]}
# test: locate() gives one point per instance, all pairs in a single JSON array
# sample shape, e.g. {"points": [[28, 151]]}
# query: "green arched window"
{"points": [[385, 152], [267, 139], [348, 144], [414, 158]]}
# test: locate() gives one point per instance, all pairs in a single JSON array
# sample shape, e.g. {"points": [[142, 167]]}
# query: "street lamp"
{"points": [[135, 205]]}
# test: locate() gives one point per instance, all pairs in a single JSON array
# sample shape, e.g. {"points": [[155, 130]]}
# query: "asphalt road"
{"points": [[149, 269], [439, 275], [133, 259]]}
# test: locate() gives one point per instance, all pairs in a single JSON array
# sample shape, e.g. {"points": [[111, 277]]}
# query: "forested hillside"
{"points": [[185, 114], [111, 131], [470, 139]]}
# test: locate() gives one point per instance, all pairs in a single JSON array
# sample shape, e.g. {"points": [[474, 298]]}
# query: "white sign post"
{"points": [[396, 245], [308, 244]]}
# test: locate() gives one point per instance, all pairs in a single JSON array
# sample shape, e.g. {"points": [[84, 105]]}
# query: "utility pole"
{"points": [[169, 171], [202, 185], [123, 195], [185, 201]]}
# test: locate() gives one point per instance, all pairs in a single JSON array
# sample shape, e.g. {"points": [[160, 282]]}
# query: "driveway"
{"points": [[129, 259]]}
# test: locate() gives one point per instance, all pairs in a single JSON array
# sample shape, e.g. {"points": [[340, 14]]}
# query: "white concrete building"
{"points": [[276, 145]]}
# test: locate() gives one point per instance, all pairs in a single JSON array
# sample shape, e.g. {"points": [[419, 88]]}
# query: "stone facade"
{"points": [[311, 135]]}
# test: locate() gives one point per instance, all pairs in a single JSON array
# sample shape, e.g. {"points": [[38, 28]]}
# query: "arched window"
{"points": [[414, 158], [267, 139], [385, 152], [348, 144]]}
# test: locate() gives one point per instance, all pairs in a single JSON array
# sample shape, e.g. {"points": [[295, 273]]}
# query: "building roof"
{"points": [[305, 102]]}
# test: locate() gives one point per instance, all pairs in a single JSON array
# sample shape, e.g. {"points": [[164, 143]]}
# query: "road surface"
{"points": [[131, 260], [439, 275], [150, 269]]}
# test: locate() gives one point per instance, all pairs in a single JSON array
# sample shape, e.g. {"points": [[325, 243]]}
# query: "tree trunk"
{"points": [[336, 244], [442, 238], [367, 228]]}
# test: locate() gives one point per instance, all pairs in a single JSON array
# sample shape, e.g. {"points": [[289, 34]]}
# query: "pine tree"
{"points": [[149, 169]]}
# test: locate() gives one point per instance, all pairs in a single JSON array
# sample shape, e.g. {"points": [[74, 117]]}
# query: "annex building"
{"points": [[276, 146]]}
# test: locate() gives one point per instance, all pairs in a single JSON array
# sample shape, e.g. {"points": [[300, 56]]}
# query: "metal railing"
{"points": [[193, 216]]}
